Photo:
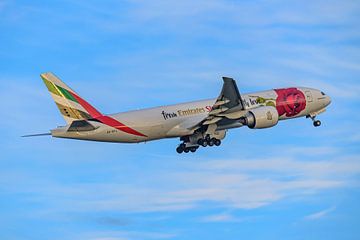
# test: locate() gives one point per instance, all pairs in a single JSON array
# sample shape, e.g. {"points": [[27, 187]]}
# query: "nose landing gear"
{"points": [[316, 123]]}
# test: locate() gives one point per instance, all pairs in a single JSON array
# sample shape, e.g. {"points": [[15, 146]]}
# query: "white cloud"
{"points": [[313, 168], [222, 217], [123, 235], [320, 214], [295, 12], [238, 184]]}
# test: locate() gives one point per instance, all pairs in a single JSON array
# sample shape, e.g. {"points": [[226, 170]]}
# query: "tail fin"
{"points": [[70, 104]]}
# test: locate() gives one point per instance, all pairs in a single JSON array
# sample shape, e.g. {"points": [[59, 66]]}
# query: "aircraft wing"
{"points": [[228, 105]]}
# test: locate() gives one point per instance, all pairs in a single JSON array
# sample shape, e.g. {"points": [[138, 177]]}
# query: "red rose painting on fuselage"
{"points": [[290, 101]]}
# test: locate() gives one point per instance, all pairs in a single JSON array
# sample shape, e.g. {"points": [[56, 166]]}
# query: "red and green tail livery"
{"points": [[73, 107]]}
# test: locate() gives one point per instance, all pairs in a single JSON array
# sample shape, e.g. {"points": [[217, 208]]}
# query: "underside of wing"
{"points": [[227, 109]]}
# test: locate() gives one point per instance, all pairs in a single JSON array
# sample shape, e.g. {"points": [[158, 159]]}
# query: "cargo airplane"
{"points": [[199, 123]]}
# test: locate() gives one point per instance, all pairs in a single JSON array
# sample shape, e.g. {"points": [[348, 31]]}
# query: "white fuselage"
{"points": [[176, 120]]}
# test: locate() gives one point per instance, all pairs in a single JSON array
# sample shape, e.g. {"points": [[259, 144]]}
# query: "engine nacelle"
{"points": [[261, 117]]}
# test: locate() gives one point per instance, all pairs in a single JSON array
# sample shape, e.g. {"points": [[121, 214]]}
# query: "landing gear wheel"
{"points": [[316, 123], [211, 142], [217, 142], [193, 149], [179, 149], [186, 150], [202, 142]]}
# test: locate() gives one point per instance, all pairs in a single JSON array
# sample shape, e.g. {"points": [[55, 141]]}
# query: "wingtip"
{"points": [[227, 78]]}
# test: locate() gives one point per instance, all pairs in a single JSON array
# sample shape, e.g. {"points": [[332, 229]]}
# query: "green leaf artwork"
{"points": [[270, 103], [260, 100]]}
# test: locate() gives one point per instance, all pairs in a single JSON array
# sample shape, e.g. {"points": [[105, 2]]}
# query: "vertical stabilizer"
{"points": [[71, 105]]}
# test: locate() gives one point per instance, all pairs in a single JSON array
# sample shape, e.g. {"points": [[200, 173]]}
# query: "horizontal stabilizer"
{"points": [[37, 135], [81, 126]]}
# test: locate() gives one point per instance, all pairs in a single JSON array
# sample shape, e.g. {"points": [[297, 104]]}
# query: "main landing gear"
{"points": [[207, 141], [183, 148], [187, 146], [316, 123]]}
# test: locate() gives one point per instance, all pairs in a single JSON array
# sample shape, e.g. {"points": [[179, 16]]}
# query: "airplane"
{"points": [[197, 124]]}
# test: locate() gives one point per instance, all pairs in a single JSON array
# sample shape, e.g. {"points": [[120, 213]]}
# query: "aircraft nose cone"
{"points": [[328, 100]]}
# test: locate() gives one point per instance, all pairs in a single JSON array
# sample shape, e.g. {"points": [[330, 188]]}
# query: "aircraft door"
{"points": [[309, 97]]}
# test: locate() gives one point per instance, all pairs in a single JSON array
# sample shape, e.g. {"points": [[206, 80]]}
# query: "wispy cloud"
{"points": [[221, 217], [124, 235], [320, 214], [233, 184]]}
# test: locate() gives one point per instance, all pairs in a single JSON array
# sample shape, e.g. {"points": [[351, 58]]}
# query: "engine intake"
{"points": [[261, 117]]}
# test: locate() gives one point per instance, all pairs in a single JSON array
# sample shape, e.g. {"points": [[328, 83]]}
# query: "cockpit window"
{"points": [[322, 93]]}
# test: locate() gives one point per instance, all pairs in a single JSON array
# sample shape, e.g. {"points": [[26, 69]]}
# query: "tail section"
{"points": [[70, 104]]}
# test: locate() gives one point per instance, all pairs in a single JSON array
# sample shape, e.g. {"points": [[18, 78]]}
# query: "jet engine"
{"points": [[261, 117]]}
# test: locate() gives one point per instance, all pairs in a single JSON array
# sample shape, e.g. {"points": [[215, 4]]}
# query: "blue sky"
{"points": [[288, 182]]}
